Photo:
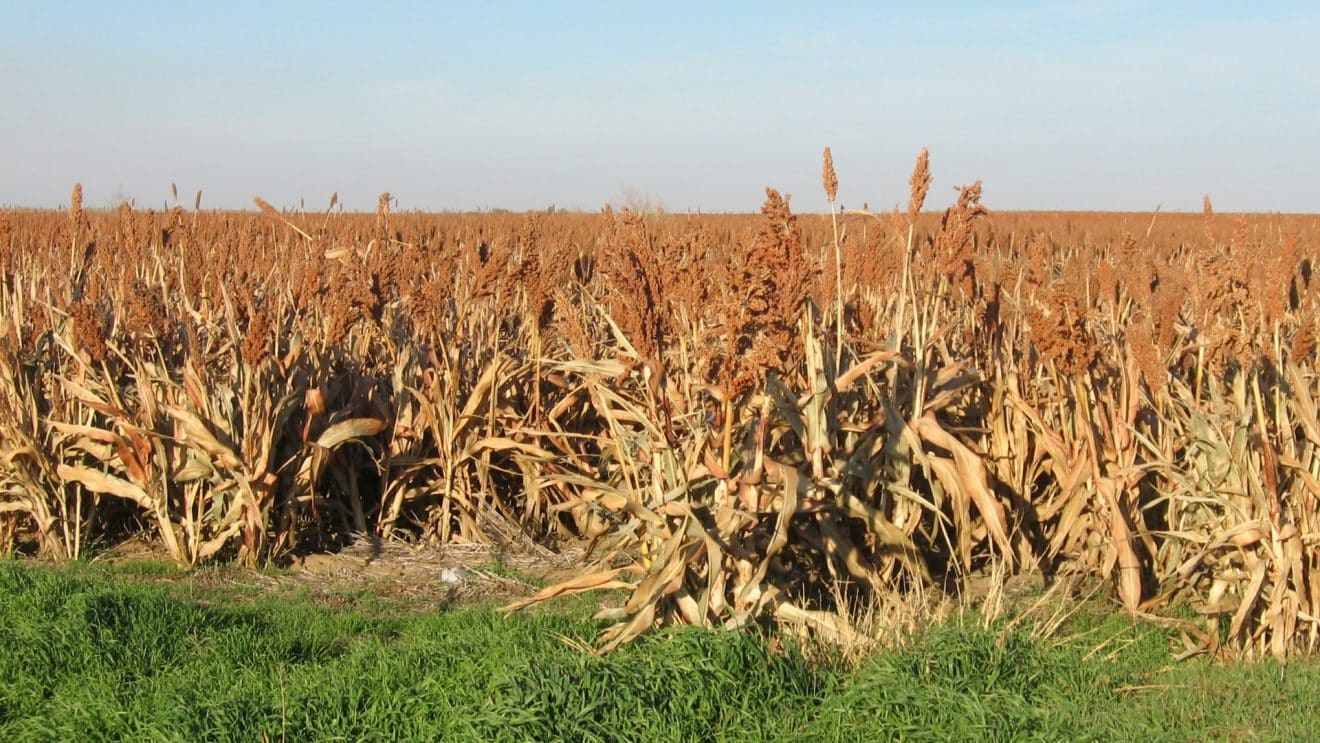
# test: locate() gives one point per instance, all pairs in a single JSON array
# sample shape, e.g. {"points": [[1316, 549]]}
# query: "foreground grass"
{"points": [[90, 654]]}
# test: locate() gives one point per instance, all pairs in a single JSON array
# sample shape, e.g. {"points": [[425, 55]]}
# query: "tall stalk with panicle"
{"points": [[831, 182]]}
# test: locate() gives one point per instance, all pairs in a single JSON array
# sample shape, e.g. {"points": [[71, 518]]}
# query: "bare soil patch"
{"points": [[374, 573]]}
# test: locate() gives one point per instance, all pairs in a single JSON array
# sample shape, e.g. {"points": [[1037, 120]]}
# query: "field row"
{"points": [[749, 417]]}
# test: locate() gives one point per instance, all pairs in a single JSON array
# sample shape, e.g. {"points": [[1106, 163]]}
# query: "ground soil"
{"points": [[378, 573], [396, 576]]}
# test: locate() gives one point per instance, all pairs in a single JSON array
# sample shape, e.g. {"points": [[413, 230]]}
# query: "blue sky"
{"points": [[1075, 105]]}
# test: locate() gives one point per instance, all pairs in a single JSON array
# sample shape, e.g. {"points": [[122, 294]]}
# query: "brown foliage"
{"points": [[256, 341], [954, 246], [919, 185], [145, 315], [264, 339], [89, 331], [828, 177], [632, 271], [768, 279]]}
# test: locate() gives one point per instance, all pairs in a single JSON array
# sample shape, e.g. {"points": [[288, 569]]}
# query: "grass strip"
{"points": [[93, 654]]}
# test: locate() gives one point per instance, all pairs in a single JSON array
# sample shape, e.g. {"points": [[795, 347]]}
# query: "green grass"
{"points": [[141, 652]]}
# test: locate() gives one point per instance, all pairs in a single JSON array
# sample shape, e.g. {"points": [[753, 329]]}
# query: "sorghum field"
{"points": [[749, 418]]}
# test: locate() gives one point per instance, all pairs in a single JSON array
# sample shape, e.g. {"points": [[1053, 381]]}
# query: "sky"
{"points": [[693, 106]]}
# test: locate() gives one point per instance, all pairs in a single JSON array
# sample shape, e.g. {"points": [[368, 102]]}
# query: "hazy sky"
{"points": [[1082, 105]]}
